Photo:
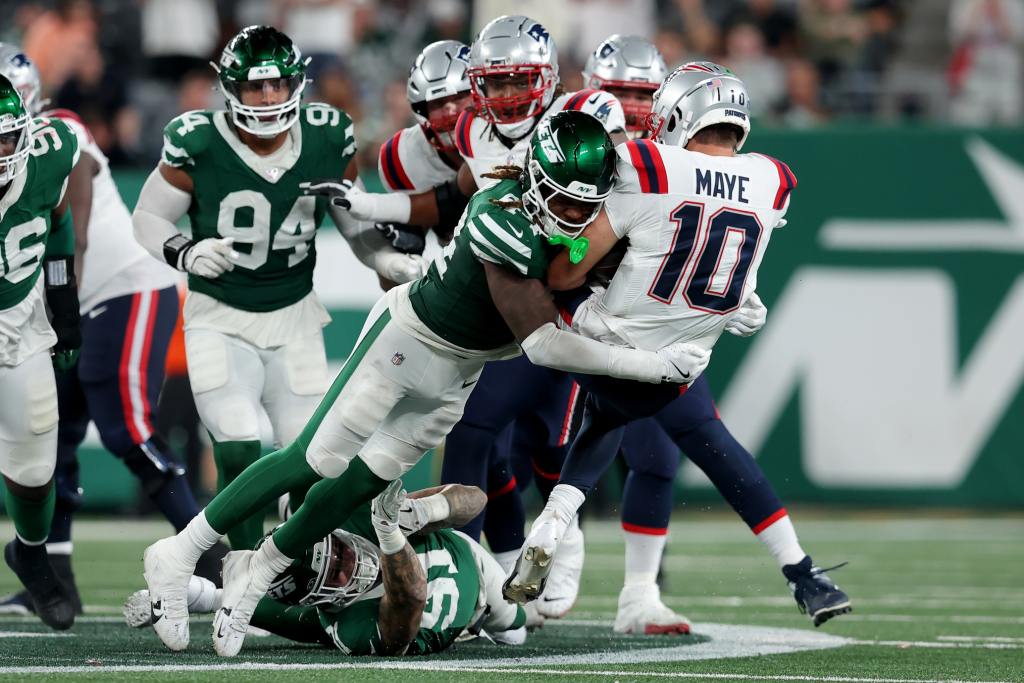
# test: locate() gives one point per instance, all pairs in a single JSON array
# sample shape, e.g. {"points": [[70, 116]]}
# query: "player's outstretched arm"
{"points": [[405, 583], [440, 507], [80, 195], [527, 308]]}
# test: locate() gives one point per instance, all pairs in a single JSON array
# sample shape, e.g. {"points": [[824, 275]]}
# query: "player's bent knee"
{"points": [[42, 405], [30, 464], [389, 458], [208, 367], [229, 418]]}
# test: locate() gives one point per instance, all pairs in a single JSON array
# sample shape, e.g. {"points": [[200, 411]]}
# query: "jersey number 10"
{"points": [[724, 245]]}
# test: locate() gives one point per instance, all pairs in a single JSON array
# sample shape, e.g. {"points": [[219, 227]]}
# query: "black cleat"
{"points": [[66, 577], [19, 604], [814, 592], [49, 599]]}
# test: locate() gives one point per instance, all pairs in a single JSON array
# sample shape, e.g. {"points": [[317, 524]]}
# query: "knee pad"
{"points": [[151, 463], [30, 463], [388, 457], [42, 405], [305, 364]]}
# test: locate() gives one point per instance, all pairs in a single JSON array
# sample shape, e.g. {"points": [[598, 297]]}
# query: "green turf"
{"points": [[936, 599]]}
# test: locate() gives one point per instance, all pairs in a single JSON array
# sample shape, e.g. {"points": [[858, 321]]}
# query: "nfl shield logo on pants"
{"points": [[397, 359]]}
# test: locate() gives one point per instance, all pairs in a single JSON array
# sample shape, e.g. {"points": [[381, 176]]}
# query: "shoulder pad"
{"points": [[332, 123], [186, 137], [390, 167], [787, 181], [645, 159], [463, 133], [602, 105], [55, 142]]}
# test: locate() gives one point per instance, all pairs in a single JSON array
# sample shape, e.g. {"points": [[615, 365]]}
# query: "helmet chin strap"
{"points": [[577, 246]]}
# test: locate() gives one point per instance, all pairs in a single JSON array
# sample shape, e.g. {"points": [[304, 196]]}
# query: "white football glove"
{"points": [[384, 511], [402, 268], [684, 362], [412, 516], [209, 258], [750, 318], [363, 206]]}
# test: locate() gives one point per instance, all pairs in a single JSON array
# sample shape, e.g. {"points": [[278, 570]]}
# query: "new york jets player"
{"points": [[413, 367], [36, 272], [365, 589], [252, 323]]}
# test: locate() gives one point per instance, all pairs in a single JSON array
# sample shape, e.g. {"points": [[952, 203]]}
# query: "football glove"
{"points": [[384, 513], [750, 318], [407, 239], [361, 205], [684, 362], [209, 258], [412, 516], [402, 268]]}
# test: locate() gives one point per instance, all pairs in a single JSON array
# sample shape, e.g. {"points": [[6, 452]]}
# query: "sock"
{"points": [[562, 505], [328, 504], [197, 537], [547, 468], [270, 561], [203, 597], [175, 500], [32, 518], [505, 516], [259, 486], [301, 624], [232, 458], [507, 559], [60, 527], [779, 537], [643, 557]]}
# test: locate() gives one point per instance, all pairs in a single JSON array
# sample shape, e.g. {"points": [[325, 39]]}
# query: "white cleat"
{"points": [[167, 581], [243, 590], [563, 584], [203, 598], [534, 619], [515, 636], [641, 612], [530, 574]]}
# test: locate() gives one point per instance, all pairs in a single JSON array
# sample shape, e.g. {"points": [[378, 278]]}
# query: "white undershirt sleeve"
{"points": [[160, 206]]}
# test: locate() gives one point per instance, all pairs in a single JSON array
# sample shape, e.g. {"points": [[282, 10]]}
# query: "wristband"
{"points": [[391, 540], [174, 250]]}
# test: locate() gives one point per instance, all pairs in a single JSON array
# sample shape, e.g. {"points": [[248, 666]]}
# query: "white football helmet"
{"points": [[631, 68], [16, 67], [439, 72], [695, 96]]}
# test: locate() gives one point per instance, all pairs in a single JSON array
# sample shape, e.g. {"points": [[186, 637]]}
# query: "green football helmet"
{"points": [[15, 133], [331, 574], [570, 164], [257, 54]]}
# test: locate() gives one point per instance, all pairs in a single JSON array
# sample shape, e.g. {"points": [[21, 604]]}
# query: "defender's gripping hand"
{"points": [[684, 362], [363, 206], [384, 515], [209, 258], [749, 319], [407, 239]]}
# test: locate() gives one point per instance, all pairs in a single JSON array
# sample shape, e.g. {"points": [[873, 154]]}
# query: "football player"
{"points": [[37, 272], [367, 589], [631, 68], [686, 190], [252, 322], [128, 305], [412, 369]]}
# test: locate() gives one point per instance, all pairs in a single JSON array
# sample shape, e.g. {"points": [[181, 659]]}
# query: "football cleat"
{"points": [[48, 597], [18, 604], [167, 582], [530, 574], [563, 584], [815, 593], [641, 612], [243, 589], [203, 598]]}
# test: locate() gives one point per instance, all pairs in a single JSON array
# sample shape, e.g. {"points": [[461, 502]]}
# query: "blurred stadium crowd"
{"points": [[127, 66]]}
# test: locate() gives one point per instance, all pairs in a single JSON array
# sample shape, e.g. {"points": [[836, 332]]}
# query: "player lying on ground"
{"points": [[698, 217], [411, 371], [367, 590]]}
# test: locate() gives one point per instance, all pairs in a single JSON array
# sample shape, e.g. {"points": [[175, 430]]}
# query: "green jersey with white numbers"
{"points": [[257, 201], [453, 591], [25, 207], [453, 298]]}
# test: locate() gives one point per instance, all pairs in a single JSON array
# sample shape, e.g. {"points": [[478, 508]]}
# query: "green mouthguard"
{"points": [[577, 246]]}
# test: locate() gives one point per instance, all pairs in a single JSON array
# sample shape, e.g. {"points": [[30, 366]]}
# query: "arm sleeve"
{"points": [[561, 350], [61, 240], [367, 243], [160, 207]]}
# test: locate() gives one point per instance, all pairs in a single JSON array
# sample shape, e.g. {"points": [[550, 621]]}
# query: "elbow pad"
{"points": [[450, 205]]}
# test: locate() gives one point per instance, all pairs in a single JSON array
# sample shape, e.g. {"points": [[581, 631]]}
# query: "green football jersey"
{"points": [[453, 591], [246, 197], [26, 204], [453, 298]]}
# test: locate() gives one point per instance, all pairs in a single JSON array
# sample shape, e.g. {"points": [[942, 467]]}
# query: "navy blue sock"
{"points": [[506, 517], [653, 460], [465, 463], [732, 469], [175, 500]]}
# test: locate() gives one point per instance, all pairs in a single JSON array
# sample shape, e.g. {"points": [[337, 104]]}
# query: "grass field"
{"points": [[936, 599]]}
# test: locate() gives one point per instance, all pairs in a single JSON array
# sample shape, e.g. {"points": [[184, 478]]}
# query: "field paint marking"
{"points": [[942, 645], [29, 634], [414, 666], [992, 639]]}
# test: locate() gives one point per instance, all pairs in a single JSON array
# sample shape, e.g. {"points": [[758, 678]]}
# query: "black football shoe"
{"points": [[814, 592], [19, 604], [50, 600]]}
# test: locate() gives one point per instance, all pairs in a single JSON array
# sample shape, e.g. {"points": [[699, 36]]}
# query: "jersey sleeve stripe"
{"points": [[650, 167], [787, 181], [462, 129], [492, 236], [483, 254], [576, 101], [392, 164], [502, 234]]}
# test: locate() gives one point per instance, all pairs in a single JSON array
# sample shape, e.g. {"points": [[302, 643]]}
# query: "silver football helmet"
{"points": [[440, 72], [631, 68], [16, 67], [519, 51], [695, 96], [331, 575]]}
